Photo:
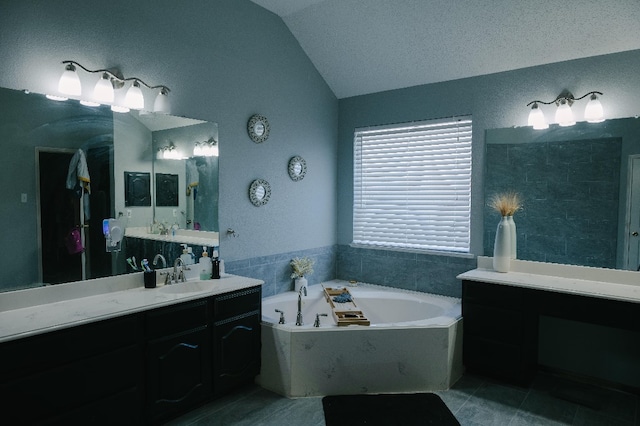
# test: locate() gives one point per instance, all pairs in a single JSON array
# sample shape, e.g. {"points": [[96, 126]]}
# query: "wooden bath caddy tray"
{"points": [[344, 313]]}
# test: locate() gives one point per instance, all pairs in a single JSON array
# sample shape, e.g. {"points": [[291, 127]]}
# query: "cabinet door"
{"points": [[236, 352], [178, 372], [500, 331]]}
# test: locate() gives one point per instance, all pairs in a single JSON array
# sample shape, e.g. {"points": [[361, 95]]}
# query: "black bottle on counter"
{"points": [[215, 268]]}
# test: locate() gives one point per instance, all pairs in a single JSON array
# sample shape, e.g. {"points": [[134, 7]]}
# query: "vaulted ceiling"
{"points": [[368, 46]]}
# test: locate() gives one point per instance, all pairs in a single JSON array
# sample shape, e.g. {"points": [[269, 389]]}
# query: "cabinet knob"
{"points": [[635, 233]]}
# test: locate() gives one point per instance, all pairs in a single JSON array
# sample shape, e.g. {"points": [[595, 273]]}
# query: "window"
{"points": [[412, 185]]}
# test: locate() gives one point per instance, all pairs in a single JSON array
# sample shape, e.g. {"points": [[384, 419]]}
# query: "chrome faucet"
{"points": [[281, 316], [317, 322], [178, 276], [161, 257], [299, 317]]}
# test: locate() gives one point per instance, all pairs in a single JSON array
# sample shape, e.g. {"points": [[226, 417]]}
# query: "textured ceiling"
{"points": [[368, 46]]}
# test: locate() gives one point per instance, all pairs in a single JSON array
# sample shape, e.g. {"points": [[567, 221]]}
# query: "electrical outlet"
{"points": [[23, 198], [175, 212], [129, 214]]}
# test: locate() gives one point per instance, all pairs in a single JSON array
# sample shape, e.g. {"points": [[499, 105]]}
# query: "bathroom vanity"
{"points": [[503, 313], [127, 355]]}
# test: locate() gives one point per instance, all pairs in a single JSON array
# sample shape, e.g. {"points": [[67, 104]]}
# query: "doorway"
{"points": [[61, 211], [632, 248]]}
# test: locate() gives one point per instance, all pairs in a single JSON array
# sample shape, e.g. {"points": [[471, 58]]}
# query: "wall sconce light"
{"points": [[208, 148], [103, 92], [169, 152], [593, 112]]}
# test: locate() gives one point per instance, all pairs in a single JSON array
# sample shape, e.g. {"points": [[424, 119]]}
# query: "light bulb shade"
{"points": [[161, 103], [103, 91], [69, 83], [564, 115], [134, 98], [536, 118], [594, 113], [197, 150], [119, 108], [89, 103]]}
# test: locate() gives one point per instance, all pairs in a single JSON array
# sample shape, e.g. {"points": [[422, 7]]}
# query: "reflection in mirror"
{"points": [[573, 182], [45, 201]]}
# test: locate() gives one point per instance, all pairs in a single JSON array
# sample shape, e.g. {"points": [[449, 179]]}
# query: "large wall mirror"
{"points": [[580, 188], [43, 201]]}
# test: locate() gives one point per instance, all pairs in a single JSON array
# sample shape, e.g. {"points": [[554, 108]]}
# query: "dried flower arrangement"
{"points": [[301, 266], [506, 204]]}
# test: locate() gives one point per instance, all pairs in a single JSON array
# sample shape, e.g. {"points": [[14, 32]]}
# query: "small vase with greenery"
{"points": [[301, 266]]}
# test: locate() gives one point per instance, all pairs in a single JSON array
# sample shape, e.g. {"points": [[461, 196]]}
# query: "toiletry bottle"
{"points": [[215, 266], [205, 265], [187, 255]]}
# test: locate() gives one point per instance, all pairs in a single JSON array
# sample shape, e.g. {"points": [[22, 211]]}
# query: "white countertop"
{"points": [[183, 236], [34, 311], [583, 280]]}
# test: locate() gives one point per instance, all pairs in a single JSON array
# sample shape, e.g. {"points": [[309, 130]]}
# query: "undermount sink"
{"points": [[188, 287]]}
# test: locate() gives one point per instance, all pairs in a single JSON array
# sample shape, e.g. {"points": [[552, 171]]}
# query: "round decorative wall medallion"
{"points": [[258, 128], [297, 168], [259, 192]]}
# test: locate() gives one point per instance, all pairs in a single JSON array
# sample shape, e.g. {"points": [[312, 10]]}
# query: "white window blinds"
{"points": [[412, 185]]}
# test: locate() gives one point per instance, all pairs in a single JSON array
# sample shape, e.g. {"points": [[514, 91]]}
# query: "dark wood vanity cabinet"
{"points": [[500, 334], [178, 361], [236, 339], [92, 372], [143, 368]]}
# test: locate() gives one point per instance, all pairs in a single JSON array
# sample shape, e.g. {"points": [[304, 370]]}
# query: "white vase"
{"points": [[300, 282], [502, 246], [514, 238]]}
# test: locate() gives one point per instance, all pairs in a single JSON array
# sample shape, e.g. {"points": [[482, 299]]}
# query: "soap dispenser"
{"points": [[187, 255], [215, 266], [205, 265]]}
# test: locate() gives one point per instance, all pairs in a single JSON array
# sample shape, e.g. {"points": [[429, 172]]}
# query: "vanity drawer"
{"points": [[176, 319], [237, 303], [493, 294]]}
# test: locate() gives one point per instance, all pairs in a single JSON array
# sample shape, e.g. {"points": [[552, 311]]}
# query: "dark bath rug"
{"points": [[387, 410]]}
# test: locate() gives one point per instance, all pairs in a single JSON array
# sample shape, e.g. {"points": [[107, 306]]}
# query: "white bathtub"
{"points": [[414, 343]]}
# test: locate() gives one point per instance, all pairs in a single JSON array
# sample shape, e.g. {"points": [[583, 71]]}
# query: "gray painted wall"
{"points": [[224, 61], [495, 101]]}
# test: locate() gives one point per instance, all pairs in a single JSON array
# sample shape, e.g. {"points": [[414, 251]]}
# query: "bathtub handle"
{"points": [[281, 316], [317, 322]]}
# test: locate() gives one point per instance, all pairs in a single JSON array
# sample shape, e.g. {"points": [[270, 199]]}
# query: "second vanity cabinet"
{"points": [[502, 331], [142, 368]]}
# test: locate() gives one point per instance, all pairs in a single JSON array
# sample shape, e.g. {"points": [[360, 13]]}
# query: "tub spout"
{"points": [[299, 317]]}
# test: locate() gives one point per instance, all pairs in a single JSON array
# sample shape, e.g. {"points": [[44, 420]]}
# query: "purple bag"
{"points": [[73, 241]]}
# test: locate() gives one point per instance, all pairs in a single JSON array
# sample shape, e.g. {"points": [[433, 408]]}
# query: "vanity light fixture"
{"points": [[593, 112], [208, 148], [103, 92]]}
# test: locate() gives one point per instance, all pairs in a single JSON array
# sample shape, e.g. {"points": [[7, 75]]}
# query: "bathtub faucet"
{"points": [[317, 322], [299, 317]]}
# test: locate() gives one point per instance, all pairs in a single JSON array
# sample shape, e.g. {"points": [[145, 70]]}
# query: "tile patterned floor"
{"points": [[473, 400]]}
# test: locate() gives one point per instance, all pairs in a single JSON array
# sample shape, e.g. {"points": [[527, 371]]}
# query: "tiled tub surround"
{"points": [[43, 309], [398, 352], [423, 272], [428, 273]]}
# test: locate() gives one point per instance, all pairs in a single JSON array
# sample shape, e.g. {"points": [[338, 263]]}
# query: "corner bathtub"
{"points": [[414, 343]]}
